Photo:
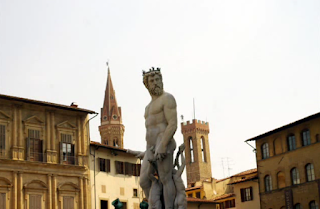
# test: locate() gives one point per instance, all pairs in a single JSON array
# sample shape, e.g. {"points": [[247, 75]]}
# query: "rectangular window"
{"points": [[68, 202], [190, 195], [198, 195], [104, 165], [2, 140], [135, 192], [67, 149], [3, 200], [306, 140], [119, 167], [35, 201], [126, 168], [246, 194], [230, 203], [35, 145], [291, 142], [104, 204]]}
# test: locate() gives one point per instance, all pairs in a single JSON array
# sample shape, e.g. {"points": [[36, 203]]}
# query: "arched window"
{"points": [[291, 141], [305, 136], [281, 180], [203, 149], [297, 206], [191, 150], [310, 172], [295, 179], [267, 183], [265, 150], [313, 205], [115, 142]]}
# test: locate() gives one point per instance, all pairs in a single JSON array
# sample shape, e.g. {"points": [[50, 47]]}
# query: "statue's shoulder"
{"points": [[168, 99]]}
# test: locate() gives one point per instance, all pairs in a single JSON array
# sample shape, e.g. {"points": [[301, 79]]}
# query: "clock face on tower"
{"points": [[115, 117]]}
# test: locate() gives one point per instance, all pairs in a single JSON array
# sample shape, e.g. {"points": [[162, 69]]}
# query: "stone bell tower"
{"points": [[195, 135], [111, 127]]}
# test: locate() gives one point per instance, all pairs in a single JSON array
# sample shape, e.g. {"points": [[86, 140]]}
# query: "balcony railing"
{"points": [[70, 160], [37, 157]]}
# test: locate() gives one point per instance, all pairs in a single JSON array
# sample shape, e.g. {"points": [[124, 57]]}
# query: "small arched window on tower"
{"points": [[203, 153], [115, 142], [191, 150]]}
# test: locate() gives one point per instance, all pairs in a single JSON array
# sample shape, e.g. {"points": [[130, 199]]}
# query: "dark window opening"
{"points": [[291, 140], [265, 150], [246, 194], [103, 204], [135, 192], [306, 139]]}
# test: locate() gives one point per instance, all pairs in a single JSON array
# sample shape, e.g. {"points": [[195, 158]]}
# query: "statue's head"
{"points": [[153, 81]]}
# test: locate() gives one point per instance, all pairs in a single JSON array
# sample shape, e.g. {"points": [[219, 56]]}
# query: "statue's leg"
{"points": [[165, 173], [145, 181]]}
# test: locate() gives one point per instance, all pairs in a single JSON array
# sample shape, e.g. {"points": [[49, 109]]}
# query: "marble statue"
{"points": [[157, 176]]}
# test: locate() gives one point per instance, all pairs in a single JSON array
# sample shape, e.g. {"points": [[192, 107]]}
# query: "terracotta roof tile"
{"points": [[32, 101], [244, 180], [192, 199], [224, 196], [108, 147], [193, 188], [247, 172]]}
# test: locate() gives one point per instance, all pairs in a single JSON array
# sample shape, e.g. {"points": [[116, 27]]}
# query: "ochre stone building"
{"points": [[288, 160], [239, 191], [43, 155]]}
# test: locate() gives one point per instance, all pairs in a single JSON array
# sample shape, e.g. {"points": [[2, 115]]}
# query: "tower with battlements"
{"points": [[111, 127], [195, 135]]}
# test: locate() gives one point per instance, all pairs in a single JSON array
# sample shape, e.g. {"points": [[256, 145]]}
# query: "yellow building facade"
{"points": [[44, 151], [288, 160], [114, 174], [240, 191]]}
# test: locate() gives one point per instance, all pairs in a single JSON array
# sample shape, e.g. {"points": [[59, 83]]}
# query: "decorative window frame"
{"points": [[70, 129], [6, 189], [29, 188], [6, 120], [34, 123], [63, 191], [66, 128]]}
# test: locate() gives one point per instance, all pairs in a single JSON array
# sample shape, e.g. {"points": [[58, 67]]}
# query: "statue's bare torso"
{"points": [[156, 121]]}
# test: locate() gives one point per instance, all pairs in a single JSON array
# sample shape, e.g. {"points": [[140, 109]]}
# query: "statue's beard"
{"points": [[156, 90]]}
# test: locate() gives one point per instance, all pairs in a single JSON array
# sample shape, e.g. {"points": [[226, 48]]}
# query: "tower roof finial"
{"points": [[107, 63]]}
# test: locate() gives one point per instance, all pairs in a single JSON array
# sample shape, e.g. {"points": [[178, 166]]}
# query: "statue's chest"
{"points": [[155, 108]]}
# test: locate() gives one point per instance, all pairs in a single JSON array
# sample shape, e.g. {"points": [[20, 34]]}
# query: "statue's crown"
{"points": [[151, 70]]}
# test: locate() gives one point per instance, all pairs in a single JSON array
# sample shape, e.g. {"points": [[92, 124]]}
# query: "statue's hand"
{"points": [[182, 147], [161, 152]]}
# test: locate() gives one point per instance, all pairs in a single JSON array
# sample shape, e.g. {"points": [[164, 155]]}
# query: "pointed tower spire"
{"points": [[111, 117]]}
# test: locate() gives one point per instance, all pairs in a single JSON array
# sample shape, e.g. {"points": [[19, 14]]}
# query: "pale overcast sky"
{"points": [[251, 65]]}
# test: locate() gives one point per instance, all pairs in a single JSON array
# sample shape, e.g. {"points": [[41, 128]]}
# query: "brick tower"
{"points": [[111, 128], [196, 140]]}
